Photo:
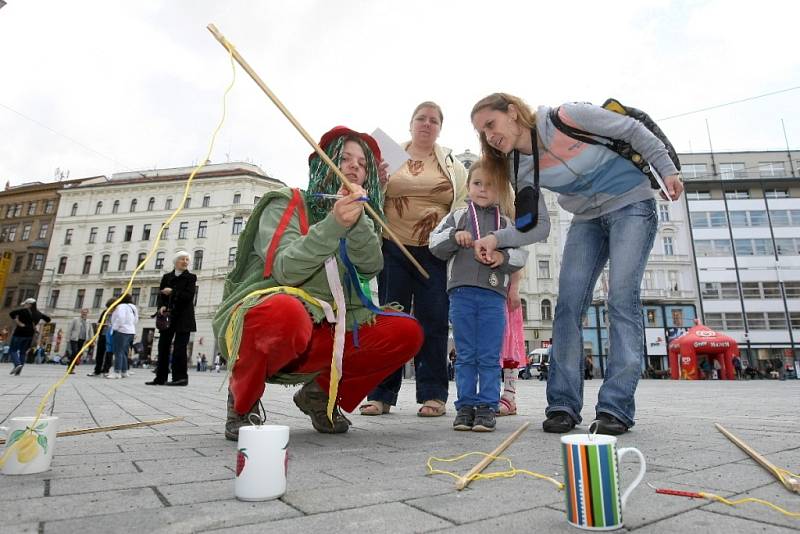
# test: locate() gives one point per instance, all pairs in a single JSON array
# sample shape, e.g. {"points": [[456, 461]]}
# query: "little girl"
{"points": [[512, 355], [478, 288]]}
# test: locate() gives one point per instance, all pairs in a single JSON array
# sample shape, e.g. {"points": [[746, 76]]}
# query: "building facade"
{"points": [[106, 227], [744, 210]]}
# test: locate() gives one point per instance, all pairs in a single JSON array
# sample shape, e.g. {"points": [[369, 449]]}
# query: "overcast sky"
{"points": [[132, 85]]}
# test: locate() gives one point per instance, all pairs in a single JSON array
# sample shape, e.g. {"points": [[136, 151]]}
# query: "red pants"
{"points": [[279, 336]]}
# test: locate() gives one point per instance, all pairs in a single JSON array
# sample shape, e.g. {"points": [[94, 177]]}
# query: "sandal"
{"points": [[374, 407], [506, 407], [432, 408]]}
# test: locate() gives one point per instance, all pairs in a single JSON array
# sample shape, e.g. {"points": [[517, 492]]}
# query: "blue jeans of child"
{"points": [[624, 239], [478, 317], [122, 344], [19, 349], [401, 282]]}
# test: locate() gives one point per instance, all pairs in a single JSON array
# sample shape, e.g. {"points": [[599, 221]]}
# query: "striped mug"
{"points": [[591, 480]]}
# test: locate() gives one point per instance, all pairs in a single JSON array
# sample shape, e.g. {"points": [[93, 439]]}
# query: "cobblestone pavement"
{"points": [[179, 477]]}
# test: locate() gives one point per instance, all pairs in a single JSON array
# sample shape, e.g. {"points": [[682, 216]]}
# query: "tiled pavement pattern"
{"points": [[179, 477]]}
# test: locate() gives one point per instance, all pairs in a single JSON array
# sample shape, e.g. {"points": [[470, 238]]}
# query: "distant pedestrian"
{"points": [[123, 325], [737, 367], [80, 329], [27, 319], [104, 357], [217, 360]]}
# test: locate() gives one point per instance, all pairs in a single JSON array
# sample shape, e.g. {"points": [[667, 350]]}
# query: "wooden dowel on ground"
{"points": [[464, 481], [125, 426], [256, 78]]}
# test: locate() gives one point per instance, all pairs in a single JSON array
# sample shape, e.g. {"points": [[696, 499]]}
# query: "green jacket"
{"points": [[299, 260]]}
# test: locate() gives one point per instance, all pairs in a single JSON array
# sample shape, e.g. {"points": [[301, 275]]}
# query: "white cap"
{"points": [[29, 301], [178, 255]]}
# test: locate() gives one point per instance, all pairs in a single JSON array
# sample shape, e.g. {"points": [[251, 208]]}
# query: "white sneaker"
{"points": [[125, 374], [128, 373], [112, 375]]}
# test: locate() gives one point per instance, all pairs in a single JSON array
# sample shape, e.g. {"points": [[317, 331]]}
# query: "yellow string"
{"points": [[511, 472], [139, 267], [723, 500]]}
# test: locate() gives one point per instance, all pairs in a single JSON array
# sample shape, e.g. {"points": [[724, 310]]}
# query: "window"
{"points": [[237, 198], [146, 232], [17, 210], [231, 256], [763, 247], [53, 298], [9, 301], [673, 279], [236, 227], [206, 201], [795, 319], [714, 321], [74, 211], [160, 260], [97, 301], [87, 264], [698, 195], [758, 218], [751, 290], [110, 234], [165, 232], [771, 168], [693, 170], [123, 262], [792, 290], [11, 234], [168, 203], [183, 229], [128, 232], [716, 219], [776, 193], [104, 261], [699, 219], [153, 299], [93, 234], [663, 212], [98, 207], [780, 218], [647, 280], [738, 219], [26, 232], [18, 262], [49, 206], [140, 258], [732, 170], [79, 296], [756, 321], [544, 268], [524, 306], [136, 292], [734, 194], [43, 230], [733, 321], [710, 290], [151, 204], [38, 261], [29, 265], [771, 290], [187, 204], [729, 290], [134, 203], [32, 208], [744, 247], [785, 246], [116, 292], [115, 207], [202, 226], [669, 250], [197, 264], [547, 310], [67, 236]]}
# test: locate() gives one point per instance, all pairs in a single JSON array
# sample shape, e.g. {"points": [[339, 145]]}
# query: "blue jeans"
{"points": [[122, 344], [479, 319], [19, 348], [624, 239], [401, 282]]}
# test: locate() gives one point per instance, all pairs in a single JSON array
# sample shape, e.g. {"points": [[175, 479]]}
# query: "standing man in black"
{"points": [[27, 319], [175, 300]]}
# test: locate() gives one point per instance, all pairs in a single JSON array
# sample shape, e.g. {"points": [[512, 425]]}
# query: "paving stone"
{"points": [[703, 522]]}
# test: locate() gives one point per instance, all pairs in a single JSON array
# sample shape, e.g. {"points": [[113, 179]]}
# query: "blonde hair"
{"points": [[495, 162], [505, 196]]}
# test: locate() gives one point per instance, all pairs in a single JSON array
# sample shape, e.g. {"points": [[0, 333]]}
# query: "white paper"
{"points": [[391, 152], [661, 183]]}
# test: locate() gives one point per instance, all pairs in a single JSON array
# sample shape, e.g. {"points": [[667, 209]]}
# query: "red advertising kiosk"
{"points": [[701, 342]]}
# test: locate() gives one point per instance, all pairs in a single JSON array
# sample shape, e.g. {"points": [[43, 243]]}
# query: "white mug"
{"points": [[32, 451], [262, 461]]}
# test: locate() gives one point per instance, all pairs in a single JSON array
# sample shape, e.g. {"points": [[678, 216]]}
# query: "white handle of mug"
{"points": [[639, 477]]}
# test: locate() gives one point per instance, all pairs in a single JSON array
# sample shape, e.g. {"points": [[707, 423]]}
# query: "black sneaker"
{"points": [[484, 419], [558, 423], [605, 423], [465, 418]]}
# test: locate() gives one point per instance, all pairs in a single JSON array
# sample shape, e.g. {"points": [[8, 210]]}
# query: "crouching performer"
{"points": [[297, 307]]}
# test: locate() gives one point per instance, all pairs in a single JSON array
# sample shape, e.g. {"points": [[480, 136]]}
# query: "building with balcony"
{"points": [[744, 209], [106, 227]]}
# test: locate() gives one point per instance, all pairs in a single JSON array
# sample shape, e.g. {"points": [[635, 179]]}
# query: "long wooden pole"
{"points": [[125, 426], [464, 481], [275, 100], [789, 482]]}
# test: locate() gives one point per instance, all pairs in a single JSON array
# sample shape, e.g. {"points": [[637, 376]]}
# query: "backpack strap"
{"points": [[295, 204], [576, 133]]}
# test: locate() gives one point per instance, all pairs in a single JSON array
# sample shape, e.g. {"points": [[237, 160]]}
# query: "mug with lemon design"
{"points": [[29, 447]]}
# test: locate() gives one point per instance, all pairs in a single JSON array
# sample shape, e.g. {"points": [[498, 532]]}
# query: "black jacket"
{"points": [[181, 302], [30, 318]]}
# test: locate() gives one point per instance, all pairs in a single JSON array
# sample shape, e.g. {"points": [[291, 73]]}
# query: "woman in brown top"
{"points": [[419, 195]]}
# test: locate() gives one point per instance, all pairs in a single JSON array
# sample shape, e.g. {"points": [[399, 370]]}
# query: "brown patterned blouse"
{"points": [[418, 196]]}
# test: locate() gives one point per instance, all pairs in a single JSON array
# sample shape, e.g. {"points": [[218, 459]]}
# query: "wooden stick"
{"points": [[125, 426], [789, 482], [249, 70], [464, 481]]}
